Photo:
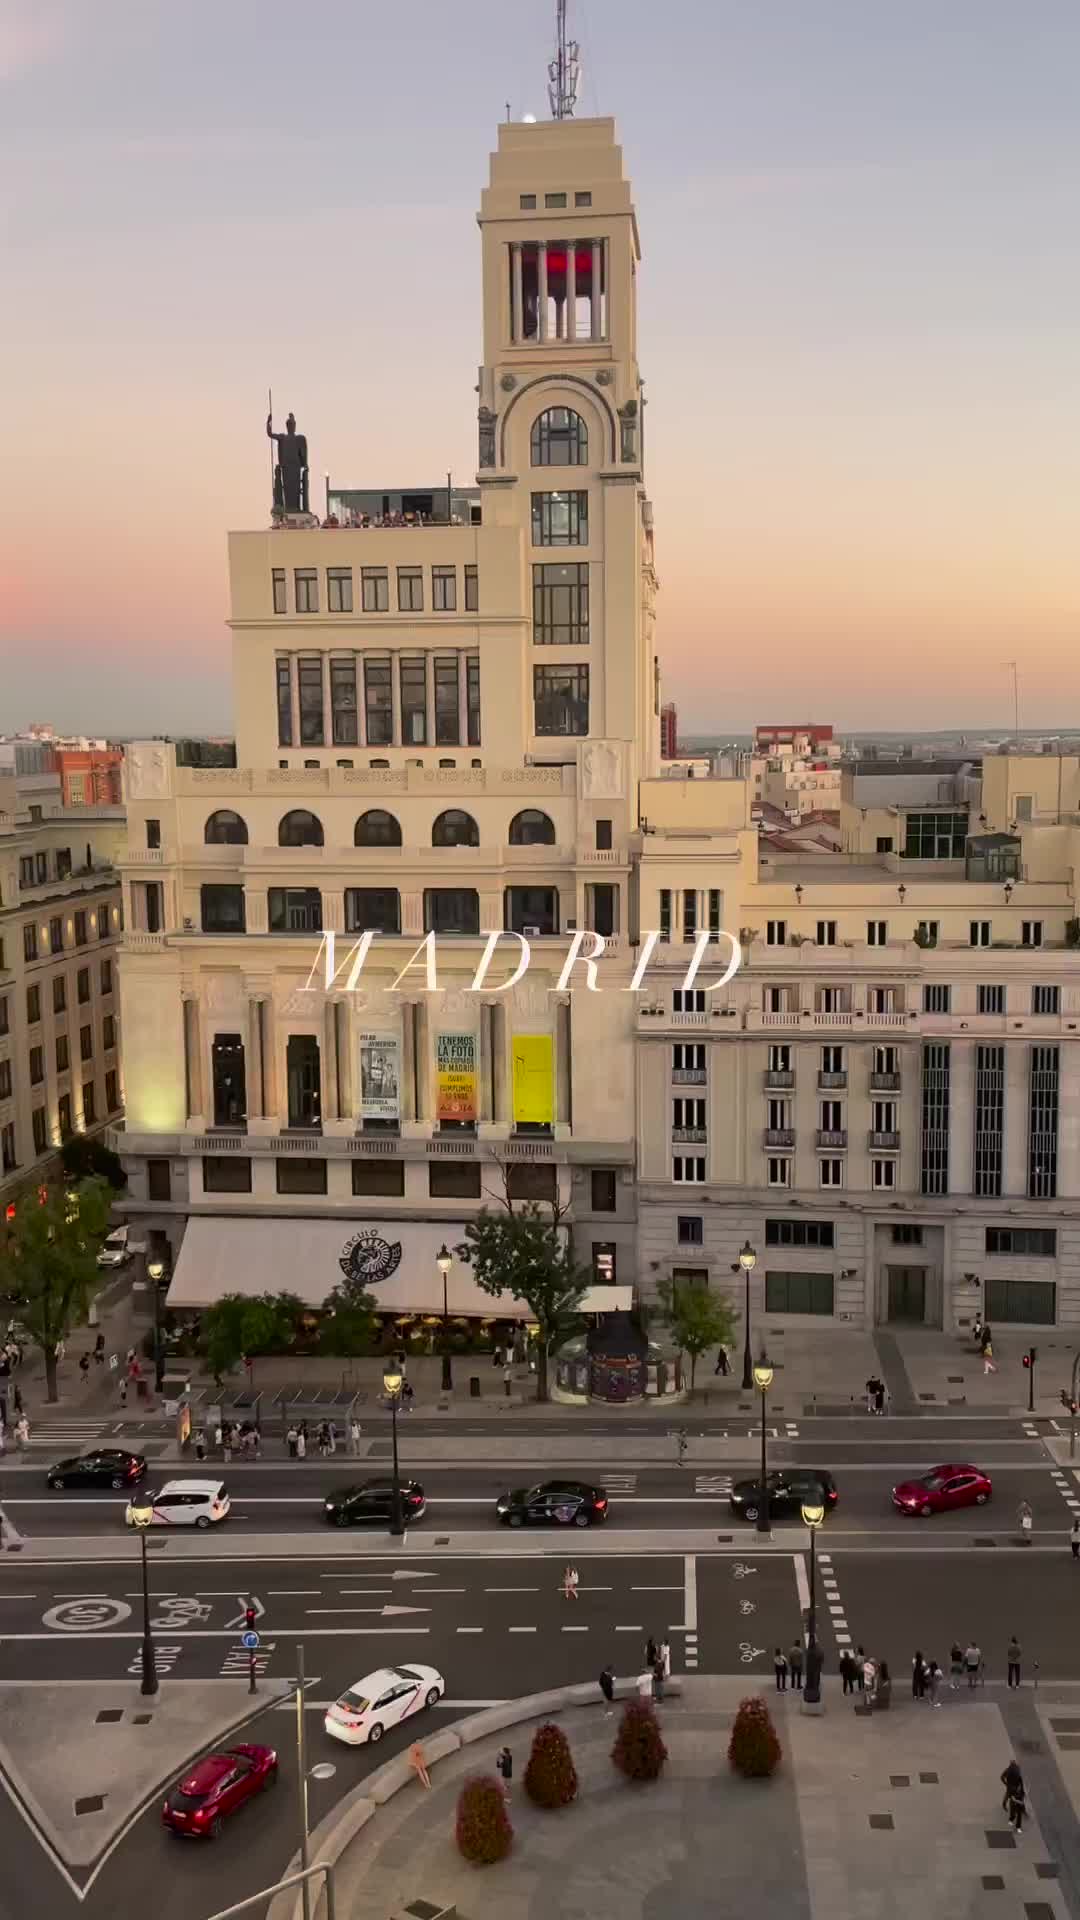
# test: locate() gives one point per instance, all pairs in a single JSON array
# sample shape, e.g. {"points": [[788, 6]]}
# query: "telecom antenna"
{"points": [[564, 72]]}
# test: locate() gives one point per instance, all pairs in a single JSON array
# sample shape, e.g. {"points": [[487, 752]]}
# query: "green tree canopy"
{"points": [[86, 1157], [241, 1325], [698, 1319], [350, 1318], [523, 1253], [48, 1261]]}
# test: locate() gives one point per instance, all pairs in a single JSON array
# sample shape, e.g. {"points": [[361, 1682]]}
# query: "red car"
{"points": [[217, 1786], [942, 1489]]}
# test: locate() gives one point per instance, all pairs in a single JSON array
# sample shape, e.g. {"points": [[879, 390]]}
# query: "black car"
{"points": [[101, 1467], [371, 1503], [556, 1502], [789, 1489]]}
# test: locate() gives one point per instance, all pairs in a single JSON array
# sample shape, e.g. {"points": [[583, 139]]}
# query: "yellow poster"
{"points": [[455, 1074], [534, 1079]]}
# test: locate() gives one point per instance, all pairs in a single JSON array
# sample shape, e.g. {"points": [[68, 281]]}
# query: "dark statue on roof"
{"points": [[291, 469]]}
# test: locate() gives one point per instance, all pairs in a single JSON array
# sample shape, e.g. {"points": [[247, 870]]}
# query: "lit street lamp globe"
{"points": [[142, 1513], [763, 1374], [813, 1513], [391, 1382]]}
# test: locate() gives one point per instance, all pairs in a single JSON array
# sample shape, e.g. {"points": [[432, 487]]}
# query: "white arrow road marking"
{"points": [[383, 1610]]}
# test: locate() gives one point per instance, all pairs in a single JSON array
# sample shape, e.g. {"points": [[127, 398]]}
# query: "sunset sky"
{"points": [[860, 322]]}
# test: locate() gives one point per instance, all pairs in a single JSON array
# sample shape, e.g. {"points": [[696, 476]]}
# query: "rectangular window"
{"points": [[339, 590], [410, 589], [780, 1060], [690, 1230], [989, 999], [112, 1091], [444, 589], [447, 710], [39, 1122], [906, 1235], [375, 590], [26, 870], [935, 836], [106, 977], [89, 1103], [412, 677], [372, 909], [82, 986], [472, 590], [690, 1170], [158, 1180], [688, 1113], [561, 700], [59, 993], [779, 1172], [561, 605], [689, 916], [832, 1060], [832, 1117], [63, 1115], [665, 914], [63, 1058], [830, 1173], [343, 701], [603, 836], [454, 1180], [228, 1078], [554, 199], [883, 1174], [472, 696], [223, 909], [927, 933], [776, 933], [989, 1120], [153, 833], [30, 940], [531, 1182], [451, 910], [934, 1162], [284, 704], [827, 1000], [1038, 1243], [800, 1233], [603, 1183], [37, 1066], [309, 673], [303, 1080], [884, 1116], [306, 589], [979, 933], [80, 929], [688, 1060], [715, 898], [826, 933], [8, 1161], [603, 1251], [63, 862], [778, 1117], [798, 1292], [1031, 933], [41, 868], [877, 933], [378, 702], [936, 999], [56, 934], [306, 1173], [526, 201], [560, 519], [532, 910], [5, 1079], [277, 576], [1046, 999], [688, 1000], [1031, 1302], [1043, 1127], [86, 1043], [385, 1178], [33, 1005], [294, 909], [226, 1173]]}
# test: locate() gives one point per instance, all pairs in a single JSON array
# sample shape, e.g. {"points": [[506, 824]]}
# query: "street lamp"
{"points": [[155, 1273], [142, 1515], [813, 1513], [747, 1261], [393, 1381], [444, 1260], [763, 1374]]}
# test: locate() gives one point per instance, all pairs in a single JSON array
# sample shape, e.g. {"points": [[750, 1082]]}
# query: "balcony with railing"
{"points": [[779, 1136], [880, 1141], [688, 1076], [688, 1136], [884, 1082], [779, 1077], [833, 1080], [829, 1138]]}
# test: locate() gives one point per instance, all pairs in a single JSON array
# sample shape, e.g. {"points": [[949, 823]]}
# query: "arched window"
{"points": [[560, 438], [377, 829], [225, 829], [531, 829], [455, 829], [300, 829]]}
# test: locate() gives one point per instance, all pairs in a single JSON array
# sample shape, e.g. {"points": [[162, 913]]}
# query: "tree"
{"points": [[48, 1261], [550, 1776], [483, 1829], [350, 1319], [241, 1324], [85, 1157], [754, 1750], [698, 1320], [525, 1252], [639, 1749]]}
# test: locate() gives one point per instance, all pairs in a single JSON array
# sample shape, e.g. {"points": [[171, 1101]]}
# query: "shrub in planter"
{"points": [[483, 1829], [639, 1750], [754, 1750], [550, 1777]]}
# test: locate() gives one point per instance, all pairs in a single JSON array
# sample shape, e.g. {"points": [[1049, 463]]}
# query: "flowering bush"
{"points": [[550, 1777], [483, 1829], [639, 1750], [754, 1750]]}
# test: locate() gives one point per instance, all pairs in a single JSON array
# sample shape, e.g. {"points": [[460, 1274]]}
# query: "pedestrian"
{"points": [[607, 1688], [988, 1356], [795, 1661], [658, 1678], [722, 1366], [1012, 1777], [918, 1676], [22, 1432], [331, 1436], [256, 1442], [879, 1397], [323, 1439], [570, 1583], [508, 1376], [883, 1689], [664, 1653], [869, 1674], [17, 1399], [84, 1367], [780, 1669], [985, 1337], [419, 1765], [847, 1670], [1025, 1519], [226, 1438], [1017, 1807], [354, 1438], [956, 1666], [1012, 1657], [301, 1441], [497, 1354], [200, 1443], [645, 1684], [1074, 1539], [977, 1328], [933, 1683], [972, 1663], [99, 1350], [290, 1441], [871, 1394], [681, 1444], [123, 1390], [860, 1663], [651, 1651], [504, 1765]]}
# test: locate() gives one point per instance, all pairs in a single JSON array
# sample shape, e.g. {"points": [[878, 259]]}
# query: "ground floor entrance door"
{"points": [[907, 1293]]}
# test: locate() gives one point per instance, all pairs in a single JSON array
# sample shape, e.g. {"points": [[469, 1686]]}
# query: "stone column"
{"points": [[344, 1044], [361, 707], [253, 1073], [329, 1062], [596, 299], [271, 1071], [294, 699], [570, 329], [463, 697], [429, 697], [327, 720], [193, 1057], [406, 1091], [421, 1062], [485, 1105], [517, 324], [564, 1093], [542, 291], [395, 699]]}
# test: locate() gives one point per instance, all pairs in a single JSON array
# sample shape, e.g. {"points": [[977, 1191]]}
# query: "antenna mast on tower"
{"points": [[564, 72]]}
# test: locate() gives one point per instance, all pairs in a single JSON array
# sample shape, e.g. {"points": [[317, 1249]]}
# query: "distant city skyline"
{"points": [[859, 302]]}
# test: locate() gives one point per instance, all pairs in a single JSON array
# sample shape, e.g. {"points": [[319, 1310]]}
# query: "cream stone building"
{"points": [[442, 719]]}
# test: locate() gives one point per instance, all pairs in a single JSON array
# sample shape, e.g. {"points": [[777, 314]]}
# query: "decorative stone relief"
{"points": [[456, 1004], [602, 770], [528, 777], [294, 1003], [296, 776], [146, 766], [486, 423], [373, 777], [234, 777], [508, 382], [223, 994], [604, 377], [531, 1001]]}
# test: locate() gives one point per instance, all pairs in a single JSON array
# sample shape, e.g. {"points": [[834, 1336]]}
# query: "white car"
{"points": [[183, 1503], [114, 1251], [378, 1701]]}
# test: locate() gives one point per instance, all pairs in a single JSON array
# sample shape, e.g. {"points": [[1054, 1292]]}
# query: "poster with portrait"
{"points": [[380, 1077], [534, 1080], [455, 1076]]}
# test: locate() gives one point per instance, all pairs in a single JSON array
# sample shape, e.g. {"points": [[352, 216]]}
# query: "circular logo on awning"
{"points": [[367, 1258]]}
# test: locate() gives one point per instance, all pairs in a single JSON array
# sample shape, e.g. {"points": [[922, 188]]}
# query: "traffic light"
{"points": [[1031, 1356], [249, 1619]]}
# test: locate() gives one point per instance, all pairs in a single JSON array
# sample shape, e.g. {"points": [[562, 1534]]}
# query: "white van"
{"points": [[115, 1251]]}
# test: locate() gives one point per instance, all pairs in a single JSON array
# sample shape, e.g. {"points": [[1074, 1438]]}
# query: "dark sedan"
{"points": [[216, 1787], [371, 1504], [562, 1503], [790, 1489], [101, 1467]]}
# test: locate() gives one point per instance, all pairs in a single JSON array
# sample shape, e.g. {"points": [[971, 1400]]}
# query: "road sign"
{"points": [[250, 1641], [87, 1614]]}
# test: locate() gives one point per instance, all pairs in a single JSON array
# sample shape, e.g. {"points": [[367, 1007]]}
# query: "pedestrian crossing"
{"points": [[620, 1482]]}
